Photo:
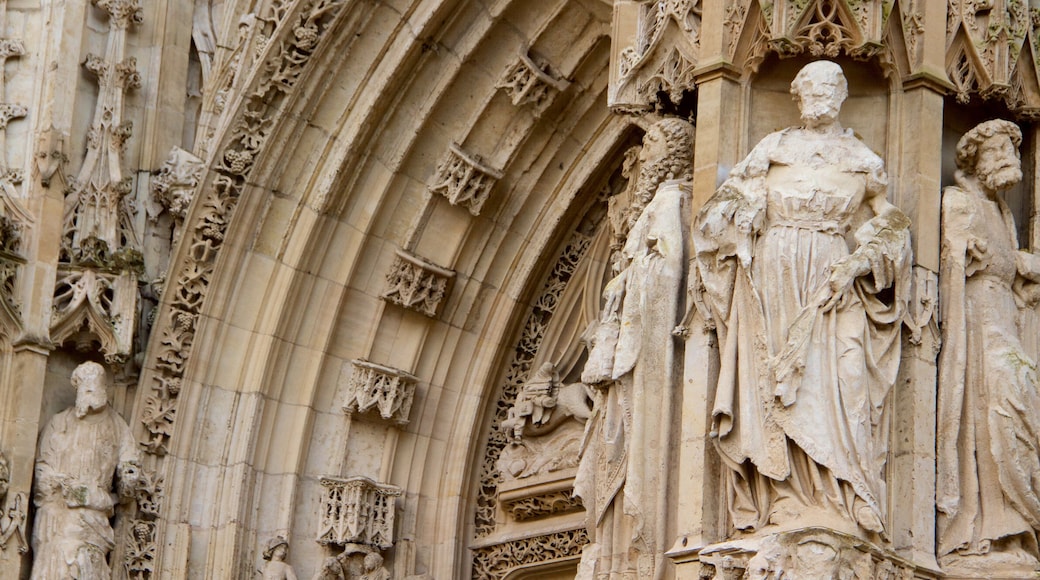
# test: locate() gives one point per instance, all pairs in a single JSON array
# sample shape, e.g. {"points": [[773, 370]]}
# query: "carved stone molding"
{"points": [[283, 62], [417, 284], [806, 553], [531, 81], [383, 390], [498, 560], [524, 501], [357, 510], [464, 179]]}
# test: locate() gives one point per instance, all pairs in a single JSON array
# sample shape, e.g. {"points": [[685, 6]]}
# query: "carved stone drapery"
{"points": [[464, 179], [357, 510], [380, 389], [531, 81], [417, 284]]}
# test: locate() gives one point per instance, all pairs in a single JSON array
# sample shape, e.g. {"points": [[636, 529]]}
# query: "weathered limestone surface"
{"points": [[453, 289]]}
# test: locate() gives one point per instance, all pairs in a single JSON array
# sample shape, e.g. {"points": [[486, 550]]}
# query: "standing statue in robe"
{"points": [[623, 476], [808, 320], [988, 463], [81, 450]]}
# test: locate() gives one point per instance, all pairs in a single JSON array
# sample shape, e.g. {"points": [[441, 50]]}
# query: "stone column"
{"points": [[916, 189], [720, 97]]}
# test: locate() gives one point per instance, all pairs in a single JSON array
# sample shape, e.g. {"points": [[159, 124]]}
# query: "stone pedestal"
{"points": [[806, 554]]}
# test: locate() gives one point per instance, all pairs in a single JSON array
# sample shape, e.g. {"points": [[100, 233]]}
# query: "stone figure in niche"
{"points": [[988, 462], [808, 320], [12, 523], [275, 567], [83, 451], [544, 425], [623, 475]]}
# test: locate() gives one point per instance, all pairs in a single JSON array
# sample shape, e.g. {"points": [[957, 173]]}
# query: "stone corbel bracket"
{"points": [[377, 388], [417, 284], [550, 498], [464, 179], [529, 81], [357, 510]]}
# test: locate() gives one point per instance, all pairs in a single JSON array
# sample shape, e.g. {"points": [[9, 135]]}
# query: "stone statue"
{"points": [[374, 569], [81, 450], [623, 475], [275, 554], [808, 320], [988, 462], [12, 523]]}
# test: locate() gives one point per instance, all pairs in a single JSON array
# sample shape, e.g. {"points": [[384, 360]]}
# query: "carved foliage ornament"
{"points": [[357, 510], [498, 560], [464, 179], [285, 64]]}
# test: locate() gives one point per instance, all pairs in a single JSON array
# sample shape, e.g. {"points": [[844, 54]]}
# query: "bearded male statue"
{"points": [[623, 476], [82, 449], [988, 464]]}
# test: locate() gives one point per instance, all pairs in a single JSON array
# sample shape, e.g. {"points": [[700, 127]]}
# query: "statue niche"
{"points": [[808, 321], [988, 457]]}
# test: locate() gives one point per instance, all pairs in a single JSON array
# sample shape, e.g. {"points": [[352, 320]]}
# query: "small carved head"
{"points": [[277, 549], [820, 89], [91, 395], [373, 560], [990, 152]]}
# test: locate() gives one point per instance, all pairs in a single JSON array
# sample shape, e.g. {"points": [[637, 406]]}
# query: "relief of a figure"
{"points": [[623, 476], [806, 270], [86, 463], [988, 464]]}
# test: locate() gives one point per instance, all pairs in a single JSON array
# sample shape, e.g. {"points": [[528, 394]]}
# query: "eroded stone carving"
{"points": [[464, 179], [386, 390], [989, 408], [531, 81], [275, 567], [623, 475], [807, 327], [984, 40], [355, 561], [82, 452], [175, 184], [357, 510], [540, 505], [12, 518], [416, 284], [498, 560], [814, 553]]}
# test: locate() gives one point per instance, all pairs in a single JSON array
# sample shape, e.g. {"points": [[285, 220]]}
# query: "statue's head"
{"points": [[820, 89], [91, 392], [373, 560], [990, 152], [277, 549], [667, 154]]}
